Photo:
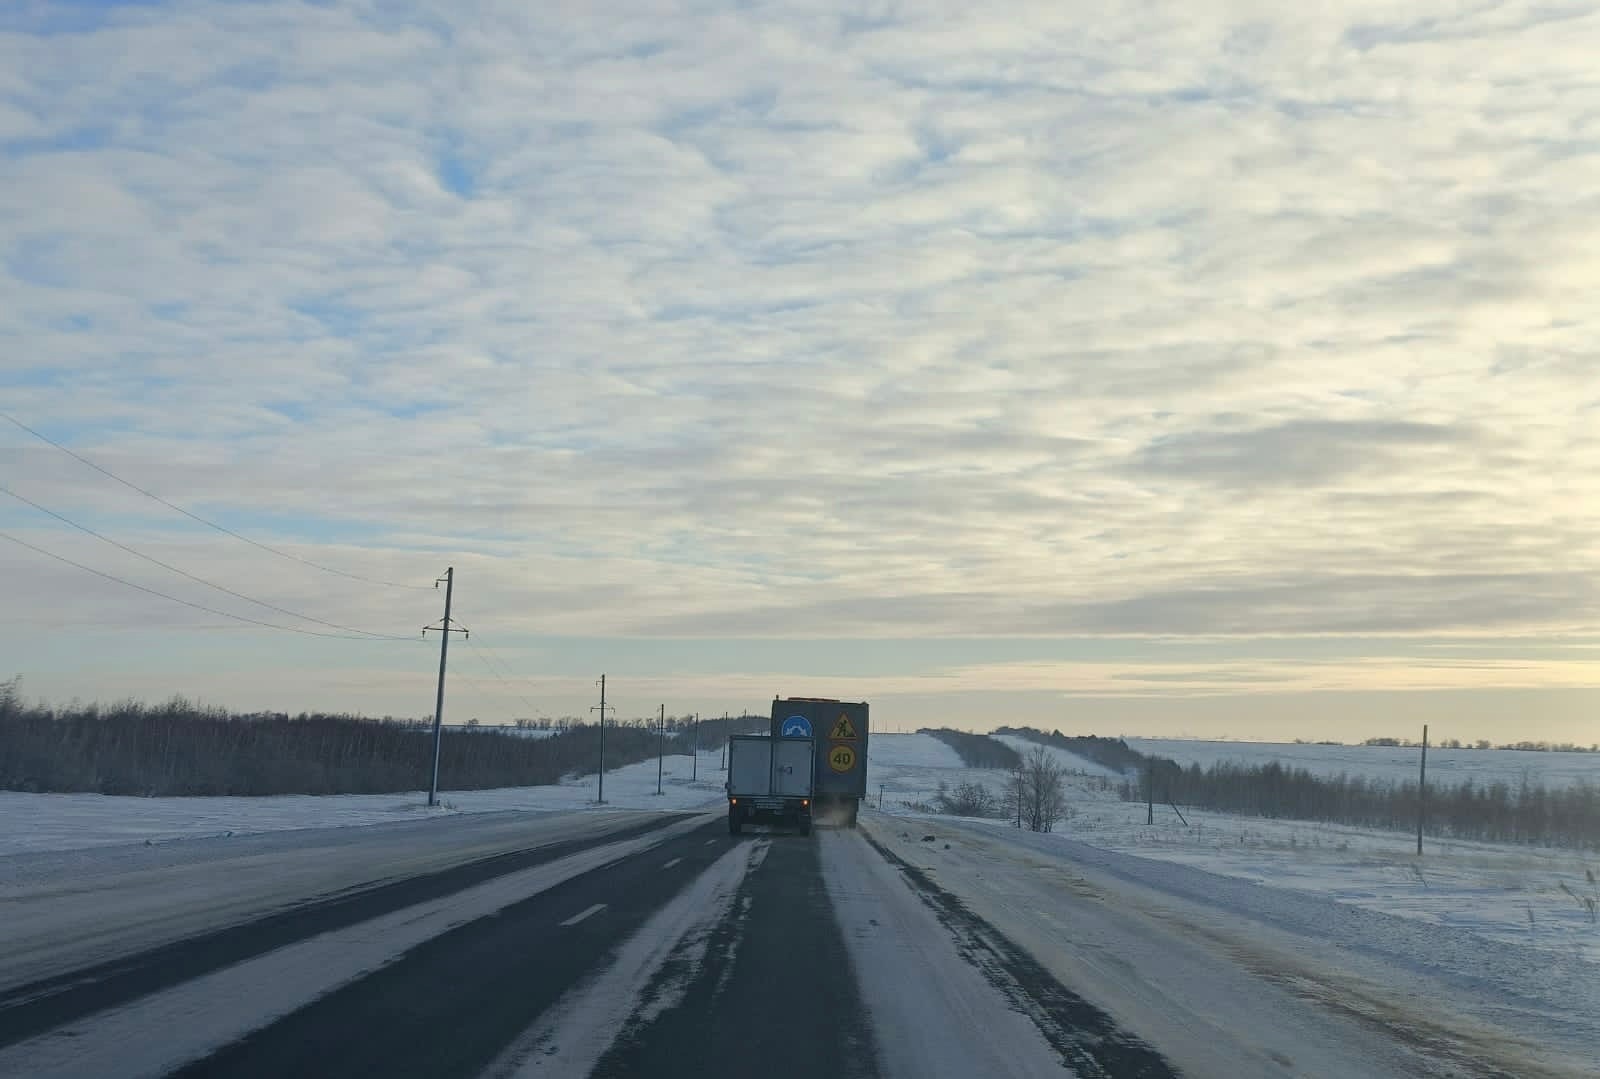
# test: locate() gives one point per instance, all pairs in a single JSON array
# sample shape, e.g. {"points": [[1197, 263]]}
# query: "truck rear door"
{"points": [[750, 767], [791, 769]]}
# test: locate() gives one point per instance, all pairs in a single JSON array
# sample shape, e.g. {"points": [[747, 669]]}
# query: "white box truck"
{"points": [[770, 780]]}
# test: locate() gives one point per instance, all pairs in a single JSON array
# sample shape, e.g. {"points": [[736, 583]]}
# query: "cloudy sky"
{"points": [[1162, 367]]}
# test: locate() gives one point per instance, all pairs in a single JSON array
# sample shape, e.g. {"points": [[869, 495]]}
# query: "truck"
{"points": [[839, 729], [770, 780]]}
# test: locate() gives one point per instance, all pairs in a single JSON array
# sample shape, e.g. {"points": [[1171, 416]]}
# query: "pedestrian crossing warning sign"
{"points": [[843, 728]]}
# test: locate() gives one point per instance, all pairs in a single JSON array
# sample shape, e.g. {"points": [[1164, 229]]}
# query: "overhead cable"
{"points": [[492, 669], [201, 520], [186, 603], [198, 580]]}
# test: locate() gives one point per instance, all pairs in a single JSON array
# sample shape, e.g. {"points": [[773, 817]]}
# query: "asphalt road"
{"points": [[650, 945], [619, 944]]}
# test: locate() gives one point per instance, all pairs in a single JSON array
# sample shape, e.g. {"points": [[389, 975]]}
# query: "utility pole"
{"points": [[661, 747], [1422, 789], [600, 799], [1150, 792], [444, 628], [1019, 794], [724, 741], [694, 754]]}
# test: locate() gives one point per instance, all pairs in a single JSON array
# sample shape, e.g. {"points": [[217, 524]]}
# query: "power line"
{"points": [[184, 602], [494, 670], [499, 666], [487, 697], [199, 580], [196, 517]]}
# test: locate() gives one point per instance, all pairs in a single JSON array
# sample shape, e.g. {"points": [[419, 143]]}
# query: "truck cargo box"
{"points": [[839, 729], [770, 780]]}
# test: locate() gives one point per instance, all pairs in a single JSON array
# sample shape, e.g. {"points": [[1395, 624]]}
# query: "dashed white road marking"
{"points": [[672, 863], [582, 914], [573, 1034]]}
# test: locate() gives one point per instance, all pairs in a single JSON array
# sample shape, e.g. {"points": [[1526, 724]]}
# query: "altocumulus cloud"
{"points": [[941, 318]]}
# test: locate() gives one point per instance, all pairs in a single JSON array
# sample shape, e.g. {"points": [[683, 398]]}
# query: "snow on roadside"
{"points": [[912, 974], [1199, 963], [52, 822], [1502, 892], [1528, 896]]}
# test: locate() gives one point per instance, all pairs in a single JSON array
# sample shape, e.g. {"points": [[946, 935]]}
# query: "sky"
{"points": [[1170, 368]]}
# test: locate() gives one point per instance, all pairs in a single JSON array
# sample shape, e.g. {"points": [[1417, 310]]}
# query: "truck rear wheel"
{"points": [[805, 825], [733, 821], [850, 819]]}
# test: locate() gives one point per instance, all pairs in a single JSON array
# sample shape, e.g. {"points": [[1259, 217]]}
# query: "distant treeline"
{"points": [[178, 748], [1495, 812], [1112, 753], [976, 750], [709, 733], [1482, 743]]}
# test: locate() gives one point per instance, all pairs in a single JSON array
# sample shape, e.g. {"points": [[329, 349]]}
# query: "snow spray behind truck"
{"points": [[840, 731]]}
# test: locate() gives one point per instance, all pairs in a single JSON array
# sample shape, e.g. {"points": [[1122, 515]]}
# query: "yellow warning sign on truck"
{"points": [[843, 729], [841, 758]]}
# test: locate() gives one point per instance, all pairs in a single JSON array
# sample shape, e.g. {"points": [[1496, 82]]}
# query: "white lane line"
{"points": [[672, 863], [161, 1032], [582, 914], [709, 842]]}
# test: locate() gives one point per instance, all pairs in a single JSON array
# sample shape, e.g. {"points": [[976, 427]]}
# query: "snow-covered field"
{"points": [[910, 767], [1529, 896], [1446, 767], [43, 822]]}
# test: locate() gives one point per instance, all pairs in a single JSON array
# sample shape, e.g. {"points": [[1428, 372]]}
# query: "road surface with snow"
{"points": [[631, 943]]}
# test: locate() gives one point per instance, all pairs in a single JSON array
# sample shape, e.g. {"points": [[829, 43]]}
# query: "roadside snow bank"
{"points": [[46, 822]]}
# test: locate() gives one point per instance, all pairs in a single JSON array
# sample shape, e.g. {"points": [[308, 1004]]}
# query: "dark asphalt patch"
{"points": [[774, 996], [32, 1009], [1088, 1039], [451, 1005]]}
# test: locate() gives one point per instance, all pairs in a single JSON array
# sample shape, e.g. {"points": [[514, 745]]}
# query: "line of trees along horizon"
{"points": [[178, 748], [976, 750], [1496, 812]]}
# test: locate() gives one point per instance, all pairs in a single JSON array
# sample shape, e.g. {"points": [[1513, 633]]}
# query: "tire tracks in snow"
{"points": [[663, 956], [1088, 1039]]}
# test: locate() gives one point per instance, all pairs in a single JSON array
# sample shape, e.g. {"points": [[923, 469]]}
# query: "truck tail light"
{"points": [[804, 802], [733, 801]]}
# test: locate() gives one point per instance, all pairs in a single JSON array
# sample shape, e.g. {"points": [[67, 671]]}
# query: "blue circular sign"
{"points": [[795, 727]]}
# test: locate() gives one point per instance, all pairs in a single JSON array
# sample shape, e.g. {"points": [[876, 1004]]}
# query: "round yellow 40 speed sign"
{"points": [[842, 758]]}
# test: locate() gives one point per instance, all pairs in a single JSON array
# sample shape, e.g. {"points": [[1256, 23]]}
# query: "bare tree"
{"points": [[967, 800], [1042, 788]]}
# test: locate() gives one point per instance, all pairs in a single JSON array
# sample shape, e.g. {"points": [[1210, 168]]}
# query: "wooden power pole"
{"points": [[444, 628]]}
